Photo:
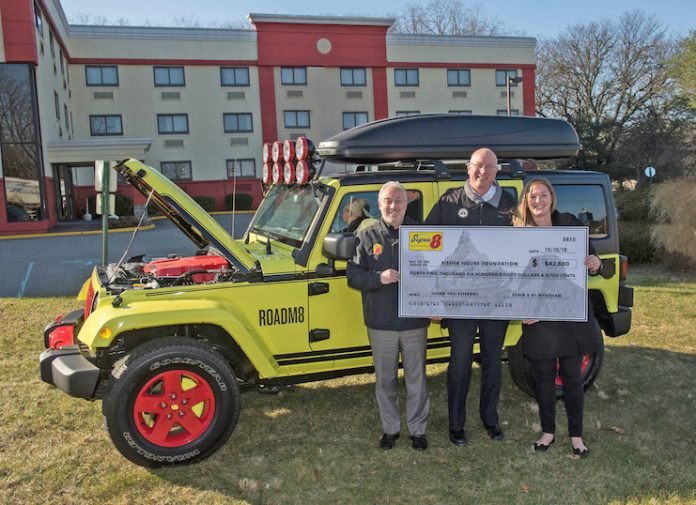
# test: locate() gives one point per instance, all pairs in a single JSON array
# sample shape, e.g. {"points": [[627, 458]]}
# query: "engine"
{"points": [[136, 273]]}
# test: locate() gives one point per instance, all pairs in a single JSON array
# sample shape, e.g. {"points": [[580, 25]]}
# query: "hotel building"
{"points": [[198, 103]]}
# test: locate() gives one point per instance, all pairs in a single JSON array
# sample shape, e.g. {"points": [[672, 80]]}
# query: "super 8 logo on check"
{"points": [[425, 241]]}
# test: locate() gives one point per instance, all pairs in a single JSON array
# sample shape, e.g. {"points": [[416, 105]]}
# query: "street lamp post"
{"points": [[510, 81]]}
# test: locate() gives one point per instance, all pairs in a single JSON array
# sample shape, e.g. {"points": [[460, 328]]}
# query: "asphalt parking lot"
{"points": [[55, 265]]}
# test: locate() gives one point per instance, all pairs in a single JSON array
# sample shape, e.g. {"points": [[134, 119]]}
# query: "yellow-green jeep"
{"points": [[168, 344]]}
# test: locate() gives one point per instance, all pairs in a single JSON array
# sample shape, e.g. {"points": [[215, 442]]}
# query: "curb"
{"points": [[117, 230], [74, 233]]}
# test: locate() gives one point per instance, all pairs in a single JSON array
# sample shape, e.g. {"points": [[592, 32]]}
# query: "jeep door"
{"points": [[336, 323]]}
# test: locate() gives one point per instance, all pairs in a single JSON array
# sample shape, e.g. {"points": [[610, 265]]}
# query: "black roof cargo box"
{"points": [[451, 136]]}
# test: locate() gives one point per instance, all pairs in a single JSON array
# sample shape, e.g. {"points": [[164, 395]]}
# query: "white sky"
{"points": [[537, 18]]}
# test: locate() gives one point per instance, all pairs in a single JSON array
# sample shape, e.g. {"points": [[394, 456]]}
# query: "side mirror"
{"points": [[339, 246], [336, 246]]}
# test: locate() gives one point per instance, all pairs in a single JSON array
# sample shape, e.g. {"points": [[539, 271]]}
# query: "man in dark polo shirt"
{"points": [[480, 202]]}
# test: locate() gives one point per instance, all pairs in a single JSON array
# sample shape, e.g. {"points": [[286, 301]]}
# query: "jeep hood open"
{"points": [[451, 136], [184, 212]]}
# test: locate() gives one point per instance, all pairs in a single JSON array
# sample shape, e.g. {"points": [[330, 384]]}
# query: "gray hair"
{"points": [[392, 184]]}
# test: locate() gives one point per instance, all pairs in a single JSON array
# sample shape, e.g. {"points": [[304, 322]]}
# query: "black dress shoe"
{"points": [[457, 437], [542, 447], [583, 453], [419, 442], [495, 433], [388, 441]]}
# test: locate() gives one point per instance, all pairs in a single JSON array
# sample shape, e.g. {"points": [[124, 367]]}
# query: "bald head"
{"points": [[483, 167]]}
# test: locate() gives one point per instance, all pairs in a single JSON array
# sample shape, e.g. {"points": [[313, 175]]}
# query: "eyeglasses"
{"points": [[478, 166]]}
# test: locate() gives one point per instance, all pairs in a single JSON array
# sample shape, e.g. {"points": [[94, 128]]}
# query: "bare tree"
{"points": [[446, 17], [603, 77], [84, 18]]}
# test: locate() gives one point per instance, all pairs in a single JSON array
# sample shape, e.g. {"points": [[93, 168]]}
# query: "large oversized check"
{"points": [[493, 272]]}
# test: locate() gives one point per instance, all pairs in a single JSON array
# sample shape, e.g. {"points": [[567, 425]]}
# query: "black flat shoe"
{"points": [[458, 438], [542, 447], [388, 441], [583, 453]]}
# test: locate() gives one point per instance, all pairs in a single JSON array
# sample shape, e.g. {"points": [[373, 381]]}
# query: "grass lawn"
{"points": [[317, 443]]}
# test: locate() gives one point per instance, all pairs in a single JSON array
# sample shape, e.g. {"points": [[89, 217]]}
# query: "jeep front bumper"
{"points": [[70, 371]]}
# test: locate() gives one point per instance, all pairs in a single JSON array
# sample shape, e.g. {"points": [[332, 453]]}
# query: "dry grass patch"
{"points": [[317, 443]]}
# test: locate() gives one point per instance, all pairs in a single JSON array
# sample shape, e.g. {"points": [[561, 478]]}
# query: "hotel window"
{"points": [[238, 122], [293, 75], [296, 118], [66, 117], [172, 123], [501, 77], [51, 44], [459, 77], [176, 170], [102, 126], [169, 76], [351, 119], [56, 104], [101, 76], [234, 76], [37, 19], [504, 112], [62, 62], [353, 77], [241, 168], [402, 113], [406, 76], [463, 112]]}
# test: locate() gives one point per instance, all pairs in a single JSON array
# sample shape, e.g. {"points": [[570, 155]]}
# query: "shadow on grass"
{"points": [[318, 443]]}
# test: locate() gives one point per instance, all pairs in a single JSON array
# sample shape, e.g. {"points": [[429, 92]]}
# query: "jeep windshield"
{"points": [[287, 213]]}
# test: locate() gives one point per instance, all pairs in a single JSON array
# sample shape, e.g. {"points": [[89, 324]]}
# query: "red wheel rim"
{"points": [[583, 369], [174, 408]]}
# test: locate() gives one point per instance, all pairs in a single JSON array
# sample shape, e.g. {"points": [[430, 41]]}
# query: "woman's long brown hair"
{"points": [[522, 216]]}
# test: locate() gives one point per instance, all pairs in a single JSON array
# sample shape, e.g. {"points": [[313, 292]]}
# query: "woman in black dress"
{"points": [[552, 344]]}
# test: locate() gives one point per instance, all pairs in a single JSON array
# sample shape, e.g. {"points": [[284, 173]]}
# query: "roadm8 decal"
{"points": [[283, 315], [425, 241]]}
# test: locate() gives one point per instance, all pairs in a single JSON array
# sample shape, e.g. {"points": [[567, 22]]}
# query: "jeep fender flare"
{"points": [[106, 324]]}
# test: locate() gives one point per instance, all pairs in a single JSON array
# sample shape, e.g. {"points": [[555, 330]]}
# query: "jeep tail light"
{"points": [[61, 336], [302, 172], [288, 150], [289, 173], [276, 173], [266, 174], [304, 148], [276, 152], [266, 152], [623, 269]]}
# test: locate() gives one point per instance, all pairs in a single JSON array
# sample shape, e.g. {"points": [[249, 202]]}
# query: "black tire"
{"points": [[521, 369], [171, 401]]}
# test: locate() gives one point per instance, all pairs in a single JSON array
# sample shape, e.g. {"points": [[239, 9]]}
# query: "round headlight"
{"points": [[266, 174], [289, 173], [266, 152], [302, 172], [276, 173], [276, 152], [288, 150]]}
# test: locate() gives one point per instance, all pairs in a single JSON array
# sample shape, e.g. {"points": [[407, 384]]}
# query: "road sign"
{"points": [[99, 176], [650, 172]]}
